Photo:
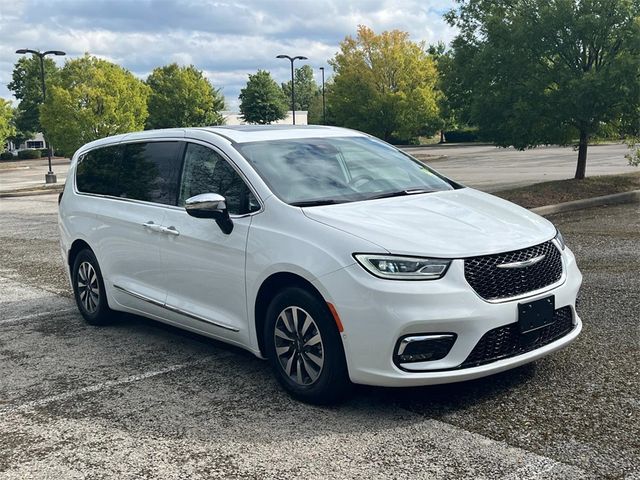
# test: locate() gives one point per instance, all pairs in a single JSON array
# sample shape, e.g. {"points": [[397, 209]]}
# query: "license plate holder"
{"points": [[537, 314]]}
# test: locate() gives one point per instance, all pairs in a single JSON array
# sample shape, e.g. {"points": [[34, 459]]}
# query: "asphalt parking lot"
{"points": [[142, 400]]}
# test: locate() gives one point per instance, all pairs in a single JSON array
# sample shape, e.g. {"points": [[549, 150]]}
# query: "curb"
{"points": [[614, 199], [28, 193]]}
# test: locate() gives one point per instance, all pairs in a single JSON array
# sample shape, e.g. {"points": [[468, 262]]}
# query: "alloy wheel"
{"points": [[88, 287], [298, 345]]}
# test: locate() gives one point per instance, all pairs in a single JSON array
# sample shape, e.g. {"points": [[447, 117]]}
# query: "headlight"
{"points": [[559, 240], [403, 268]]}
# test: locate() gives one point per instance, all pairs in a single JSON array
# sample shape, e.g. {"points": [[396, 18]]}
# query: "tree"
{"points": [[306, 89], [531, 72], [182, 97], [314, 111], [6, 122], [27, 88], [385, 85], [94, 99], [262, 100], [448, 118]]}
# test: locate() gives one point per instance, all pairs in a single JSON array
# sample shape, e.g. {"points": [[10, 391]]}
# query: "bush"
{"points": [[28, 154], [44, 152], [461, 135], [6, 156]]}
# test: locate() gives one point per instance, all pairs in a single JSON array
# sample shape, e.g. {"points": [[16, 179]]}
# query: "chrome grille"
{"points": [[494, 283]]}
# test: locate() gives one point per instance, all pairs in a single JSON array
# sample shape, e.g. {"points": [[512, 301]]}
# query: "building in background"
{"points": [[36, 142]]}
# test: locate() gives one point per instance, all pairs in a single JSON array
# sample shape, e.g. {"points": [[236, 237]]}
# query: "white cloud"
{"points": [[226, 39]]}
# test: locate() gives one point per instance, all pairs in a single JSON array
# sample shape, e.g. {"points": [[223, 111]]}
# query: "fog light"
{"points": [[423, 348]]}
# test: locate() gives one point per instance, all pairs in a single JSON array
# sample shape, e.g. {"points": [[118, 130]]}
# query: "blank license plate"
{"points": [[535, 315]]}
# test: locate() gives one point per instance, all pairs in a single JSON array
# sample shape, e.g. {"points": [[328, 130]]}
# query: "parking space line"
{"points": [[97, 387], [36, 315]]}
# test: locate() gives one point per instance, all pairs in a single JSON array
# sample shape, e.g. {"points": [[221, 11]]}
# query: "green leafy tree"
{"points": [[27, 88], [385, 85], [6, 122], [306, 89], [314, 111], [448, 118], [94, 99], [182, 97], [262, 100], [531, 72], [315, 114]]}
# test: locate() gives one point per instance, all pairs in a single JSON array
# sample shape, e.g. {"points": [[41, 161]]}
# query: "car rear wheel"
{"points": [[304, 347], [88, 289]]}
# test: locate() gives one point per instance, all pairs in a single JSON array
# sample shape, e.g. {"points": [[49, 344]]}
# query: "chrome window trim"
{"points": [[164, 205], [171, 308]]}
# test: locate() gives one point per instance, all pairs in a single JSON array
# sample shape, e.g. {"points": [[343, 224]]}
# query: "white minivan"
{"points": [[332, 254]]}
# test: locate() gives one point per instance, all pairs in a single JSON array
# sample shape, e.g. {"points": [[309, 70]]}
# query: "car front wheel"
{"points": [[304, 347]]}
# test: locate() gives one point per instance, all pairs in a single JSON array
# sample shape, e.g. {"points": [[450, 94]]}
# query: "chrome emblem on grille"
{"points": [[524, 263]]}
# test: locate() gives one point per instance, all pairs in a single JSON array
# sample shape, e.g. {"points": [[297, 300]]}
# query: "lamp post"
{"points": [[50, 177], [324, 110], [293, 96]]}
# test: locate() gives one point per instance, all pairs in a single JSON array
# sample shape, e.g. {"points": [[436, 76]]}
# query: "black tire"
{"points": [[332, 382], [101, 314]]}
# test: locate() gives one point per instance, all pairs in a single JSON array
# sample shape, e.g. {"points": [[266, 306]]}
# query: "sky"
{"points": [[227, 40]]}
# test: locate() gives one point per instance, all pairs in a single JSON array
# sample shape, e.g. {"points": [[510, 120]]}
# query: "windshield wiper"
{"points": [[401, 193], [315, 203], [330, 201]]}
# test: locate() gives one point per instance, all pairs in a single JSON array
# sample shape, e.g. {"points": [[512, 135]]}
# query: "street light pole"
{"points": [[50, 177], [324, 110], [293, 95]]}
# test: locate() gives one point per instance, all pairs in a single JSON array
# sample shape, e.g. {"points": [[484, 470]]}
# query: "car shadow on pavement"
{"points": [[439, 400], [434, 400]]}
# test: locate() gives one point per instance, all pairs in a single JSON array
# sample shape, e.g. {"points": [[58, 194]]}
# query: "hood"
{"points": [[450, 224]]}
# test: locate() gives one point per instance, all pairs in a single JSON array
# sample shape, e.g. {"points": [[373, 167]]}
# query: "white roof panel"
{"points": [[256, 133]]}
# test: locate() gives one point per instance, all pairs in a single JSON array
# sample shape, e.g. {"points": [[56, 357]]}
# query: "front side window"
{"points": [[311, 171], [98, 171], [150, 172], [205, 171]]}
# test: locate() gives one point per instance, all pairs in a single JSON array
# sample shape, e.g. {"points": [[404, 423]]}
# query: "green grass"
{"points": [[559, 191]]}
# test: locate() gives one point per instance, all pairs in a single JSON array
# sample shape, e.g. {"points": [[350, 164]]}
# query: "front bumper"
{"points": [[377, 312]]}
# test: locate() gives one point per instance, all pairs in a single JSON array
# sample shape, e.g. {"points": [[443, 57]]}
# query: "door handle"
{"points": [[170, 230], [152, 226]]}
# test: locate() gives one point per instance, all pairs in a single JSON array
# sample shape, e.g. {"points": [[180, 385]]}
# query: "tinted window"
{"points": [[150, 172], [98, 171], [205, 171]]}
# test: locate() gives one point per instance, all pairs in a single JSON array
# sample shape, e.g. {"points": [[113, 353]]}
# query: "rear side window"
{"points": [[150, 172], [140, 171], [98, 171]]}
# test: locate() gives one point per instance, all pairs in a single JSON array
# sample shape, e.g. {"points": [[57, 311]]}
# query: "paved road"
{"points": [[484, 167], [143, 400], [491, 168]]}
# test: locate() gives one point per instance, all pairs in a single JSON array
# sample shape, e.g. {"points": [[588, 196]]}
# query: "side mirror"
{"points": [[210, 205]]}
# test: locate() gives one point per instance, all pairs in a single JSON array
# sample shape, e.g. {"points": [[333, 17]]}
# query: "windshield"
{"points": [[316, 171]]}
